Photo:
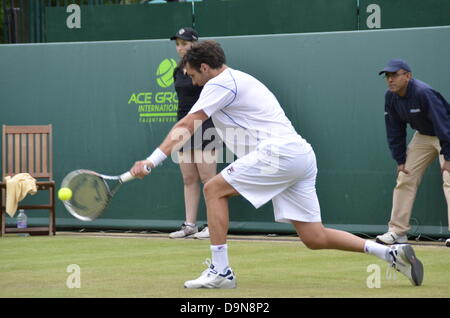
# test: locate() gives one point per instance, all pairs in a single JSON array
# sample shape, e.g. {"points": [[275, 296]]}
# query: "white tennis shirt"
{"points": [[246, 114]]}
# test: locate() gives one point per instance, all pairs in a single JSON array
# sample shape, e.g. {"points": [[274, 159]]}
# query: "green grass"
{"points": [[155, 267]]}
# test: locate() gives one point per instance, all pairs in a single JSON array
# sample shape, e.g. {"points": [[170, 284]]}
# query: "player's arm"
{"points": [[182, 131], [174, 140], [395, 132]]}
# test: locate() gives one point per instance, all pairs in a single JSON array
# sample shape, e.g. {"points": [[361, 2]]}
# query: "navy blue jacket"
{"points": [[426, 111]]}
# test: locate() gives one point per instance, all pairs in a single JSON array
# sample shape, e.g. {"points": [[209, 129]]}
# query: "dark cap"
{"points": [[186, 33], [395, 65]]}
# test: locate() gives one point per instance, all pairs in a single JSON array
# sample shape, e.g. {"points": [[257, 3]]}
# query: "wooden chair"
{"points": [[28, 149]]}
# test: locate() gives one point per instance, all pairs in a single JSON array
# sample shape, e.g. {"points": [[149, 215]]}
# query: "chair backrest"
{"points": [[27, 149]]}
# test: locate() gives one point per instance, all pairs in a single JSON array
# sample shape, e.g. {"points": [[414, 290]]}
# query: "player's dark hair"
{"points": [[208, 52]]}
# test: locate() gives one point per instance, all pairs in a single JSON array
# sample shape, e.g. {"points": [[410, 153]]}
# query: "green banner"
{"points": [[387, 14], [115, 22]]}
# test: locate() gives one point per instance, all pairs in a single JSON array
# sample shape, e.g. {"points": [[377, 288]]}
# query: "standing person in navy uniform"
{"points": [[196, 164], [409, 100]]}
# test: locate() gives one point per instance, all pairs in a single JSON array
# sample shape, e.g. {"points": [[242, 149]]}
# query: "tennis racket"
{"points": [[91, 192]]}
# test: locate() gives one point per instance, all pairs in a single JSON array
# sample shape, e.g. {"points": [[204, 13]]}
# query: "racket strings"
{"points": [[90, 196]]}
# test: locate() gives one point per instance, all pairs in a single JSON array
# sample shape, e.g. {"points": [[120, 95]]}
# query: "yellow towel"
{"points": [[17, 188]]}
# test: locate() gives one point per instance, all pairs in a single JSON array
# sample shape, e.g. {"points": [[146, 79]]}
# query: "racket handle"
{"points": [[127, 176]]}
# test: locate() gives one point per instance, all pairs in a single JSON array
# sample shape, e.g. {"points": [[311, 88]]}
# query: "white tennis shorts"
{"points": [[286, 176]]}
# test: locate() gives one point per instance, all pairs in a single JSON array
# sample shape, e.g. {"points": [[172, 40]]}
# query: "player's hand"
{"points": [[446, 166], [141, 168], [401, 168]]}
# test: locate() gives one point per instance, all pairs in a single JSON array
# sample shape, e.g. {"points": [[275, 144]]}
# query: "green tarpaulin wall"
{"points": [[100, 97]]}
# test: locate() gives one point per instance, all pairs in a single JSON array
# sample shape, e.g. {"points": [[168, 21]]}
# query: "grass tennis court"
{"points": [[134, 266]]}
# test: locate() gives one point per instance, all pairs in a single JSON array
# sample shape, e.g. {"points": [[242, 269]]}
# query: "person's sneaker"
{"points": [[406, 262], [211, 278], [185, 231], [203, 234], [447, 242], [389, 238]]}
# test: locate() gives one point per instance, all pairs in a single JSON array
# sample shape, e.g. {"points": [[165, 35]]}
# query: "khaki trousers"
{"points": [[421, 152]]}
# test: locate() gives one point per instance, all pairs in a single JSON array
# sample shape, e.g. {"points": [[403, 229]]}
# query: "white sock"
{"points": [[378, 250], [220, 257]]}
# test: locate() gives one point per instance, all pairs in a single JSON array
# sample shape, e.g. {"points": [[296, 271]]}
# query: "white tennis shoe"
{"points": [[203, 234], [389, 238], [185, 231], [406, 262], [447, 242], [211, 278]]}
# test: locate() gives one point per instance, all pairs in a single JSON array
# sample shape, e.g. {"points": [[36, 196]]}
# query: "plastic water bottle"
{"points": [[22, 220]]}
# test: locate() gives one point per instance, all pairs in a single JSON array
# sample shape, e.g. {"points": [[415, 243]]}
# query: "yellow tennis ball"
{"points": [[64, 194]]}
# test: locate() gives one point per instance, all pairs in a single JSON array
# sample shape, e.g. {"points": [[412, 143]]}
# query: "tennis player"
{"points": [[274, 163]]}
